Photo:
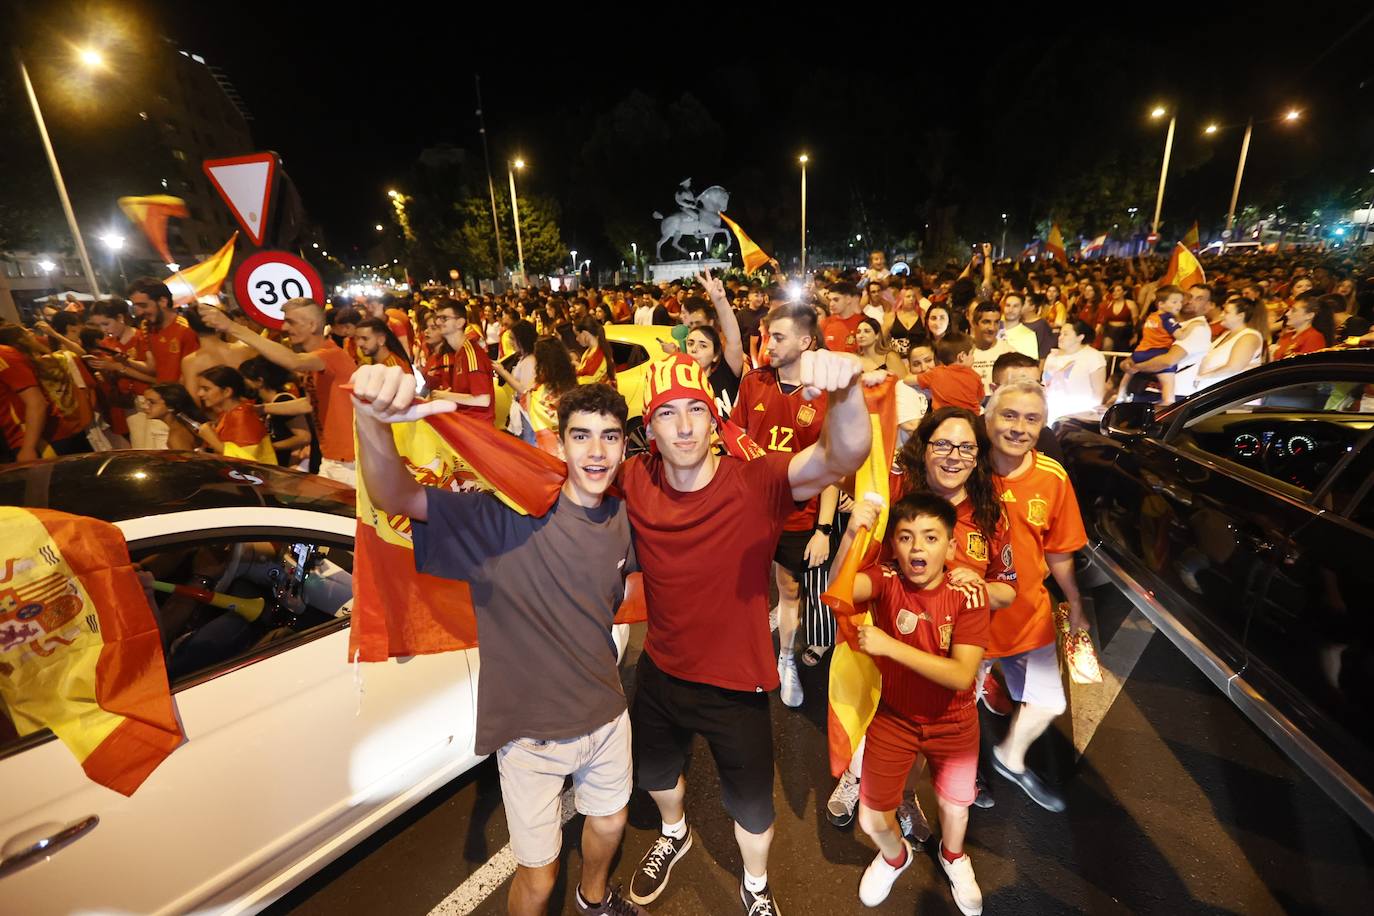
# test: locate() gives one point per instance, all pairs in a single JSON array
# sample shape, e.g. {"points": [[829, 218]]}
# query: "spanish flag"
{"points": [[204, 279], [245, 435], [151, 214], [1184, 271], [855, 683], [398, 611], [752, 255], [1192, 240], [1054, 244], [80, 651]]}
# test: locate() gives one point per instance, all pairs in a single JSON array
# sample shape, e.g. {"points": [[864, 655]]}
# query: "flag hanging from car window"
{"points": [[80, 649]]}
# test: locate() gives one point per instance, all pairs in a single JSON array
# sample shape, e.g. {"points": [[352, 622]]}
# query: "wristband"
{"points": [[826, 529]]}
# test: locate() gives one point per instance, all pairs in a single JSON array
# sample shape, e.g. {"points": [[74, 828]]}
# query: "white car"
{"points": [[293, 754]]}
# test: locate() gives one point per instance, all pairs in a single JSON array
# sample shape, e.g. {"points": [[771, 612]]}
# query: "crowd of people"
{"points": [[754, 414]]}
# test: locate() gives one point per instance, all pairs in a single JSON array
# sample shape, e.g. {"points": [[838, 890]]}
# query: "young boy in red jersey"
{"points": [[928, 637], [953, 383]]}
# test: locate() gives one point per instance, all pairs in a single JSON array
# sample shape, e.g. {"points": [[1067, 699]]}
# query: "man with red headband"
{"points": [[708, 662]]}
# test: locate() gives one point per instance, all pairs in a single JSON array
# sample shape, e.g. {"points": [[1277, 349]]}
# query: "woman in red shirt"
{"points": [[1310, 327]]}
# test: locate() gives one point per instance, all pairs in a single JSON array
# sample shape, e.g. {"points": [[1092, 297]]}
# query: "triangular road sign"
{"points": [[246, 183]]}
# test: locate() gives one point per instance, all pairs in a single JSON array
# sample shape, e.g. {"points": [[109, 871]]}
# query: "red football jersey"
{"points": [[932, 620], [780, 421], [467, 371]]}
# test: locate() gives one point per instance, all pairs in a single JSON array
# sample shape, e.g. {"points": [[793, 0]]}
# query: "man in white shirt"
{"points": [[644, 306], [987, 343], [1021, 338], [1191, 343]]}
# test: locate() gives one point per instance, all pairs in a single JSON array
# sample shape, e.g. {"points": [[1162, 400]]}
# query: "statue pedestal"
{"points": [[668, 271]]}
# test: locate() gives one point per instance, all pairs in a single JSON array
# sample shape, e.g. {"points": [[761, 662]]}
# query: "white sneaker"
{"points": [[879, 877], [773, 620], [791, 689], [840, 809], [968, 897]]}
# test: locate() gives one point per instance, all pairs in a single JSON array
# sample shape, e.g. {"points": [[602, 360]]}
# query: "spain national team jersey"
{"points": [[466, 371], [780, 421], [170, 345], [839, 333], [1043, 511], [992, 560], [16, 374], [931, 620]]}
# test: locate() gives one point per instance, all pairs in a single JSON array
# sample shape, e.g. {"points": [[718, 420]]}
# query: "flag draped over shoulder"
{"points": [[80, 650], [1054, 244], [200, 281], [752, 255], [245, 435], [151, 214], [398, 611], [855, 683], [1183, 271]]}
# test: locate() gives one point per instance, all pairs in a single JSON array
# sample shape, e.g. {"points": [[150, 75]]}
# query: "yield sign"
{"points": [[246, 184]]}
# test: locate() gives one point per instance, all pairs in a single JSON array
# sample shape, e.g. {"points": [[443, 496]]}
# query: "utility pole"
{"points": [[491, 185]]}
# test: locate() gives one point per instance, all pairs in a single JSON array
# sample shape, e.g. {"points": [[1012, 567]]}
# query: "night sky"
{"points": [[350, 93]]}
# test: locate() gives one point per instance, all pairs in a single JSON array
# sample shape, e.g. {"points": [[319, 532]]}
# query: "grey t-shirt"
{"points": [[546, 591]]}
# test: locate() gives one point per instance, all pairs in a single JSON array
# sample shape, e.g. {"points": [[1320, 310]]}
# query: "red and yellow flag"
{"points": [[80, 650], [752, 255], [245, 435], [1054, 244], [151, 214], [855, 684], [1192, 239], [1184, 271], [204, 279], [398, 611]]}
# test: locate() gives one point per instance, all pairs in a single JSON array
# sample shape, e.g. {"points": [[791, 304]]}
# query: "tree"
{"points": [[472, 244]]}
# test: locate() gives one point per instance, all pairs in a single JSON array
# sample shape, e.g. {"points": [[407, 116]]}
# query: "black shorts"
{"points": [[791, 552], [668, 711]]}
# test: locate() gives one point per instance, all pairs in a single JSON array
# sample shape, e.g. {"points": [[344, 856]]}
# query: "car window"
{"points": [[1352, 492], [628, 355], [220, 604], [1289, 438]]}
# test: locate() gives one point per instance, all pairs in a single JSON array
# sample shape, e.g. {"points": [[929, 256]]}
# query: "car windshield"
{"points": [[115, 486]]}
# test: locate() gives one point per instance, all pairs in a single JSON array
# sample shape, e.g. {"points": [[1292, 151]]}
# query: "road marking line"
{"points": [[484, 882], [1091, 702]]}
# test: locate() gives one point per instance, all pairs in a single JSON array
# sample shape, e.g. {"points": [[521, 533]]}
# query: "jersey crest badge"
{"points": [[805, 414], [906, 622], [976, 546], [946, 635], [1038, 512]]}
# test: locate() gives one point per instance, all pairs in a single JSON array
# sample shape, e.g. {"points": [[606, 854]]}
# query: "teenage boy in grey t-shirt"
{"points": [[545, 590]]}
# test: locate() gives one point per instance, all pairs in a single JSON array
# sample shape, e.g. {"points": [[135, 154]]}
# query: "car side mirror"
{"points": [[1128, 420]]}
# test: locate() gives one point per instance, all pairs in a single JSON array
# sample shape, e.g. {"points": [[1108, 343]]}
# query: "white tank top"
{"points": [[1220, 354]]}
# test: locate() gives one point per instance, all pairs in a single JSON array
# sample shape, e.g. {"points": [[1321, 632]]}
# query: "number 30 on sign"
{"points": [[269, 279]]}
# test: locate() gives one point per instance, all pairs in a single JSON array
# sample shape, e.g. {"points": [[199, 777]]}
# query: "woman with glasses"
{"points": [[950, 456]]}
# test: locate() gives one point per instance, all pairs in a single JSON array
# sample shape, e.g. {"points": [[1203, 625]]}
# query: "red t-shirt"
{"points": [[16, 374], [468, 371], [1309, 340], [331, 405], [780, 421], [169, 347], [839, 332], [707, 559], [1043, 510], [932, 620], [953, 386]]}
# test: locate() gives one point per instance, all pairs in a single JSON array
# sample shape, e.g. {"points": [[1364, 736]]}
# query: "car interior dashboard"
{"points": [[1298, 449]]}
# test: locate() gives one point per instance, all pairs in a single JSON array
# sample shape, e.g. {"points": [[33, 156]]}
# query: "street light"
{"points": [[574, 258], [1289, 117], [112, 240], [803, 159], [46, 266], [515, 213], [92, 60], [1159, 112], [393, 194], [634, 246], [1210, 129], [378, 227], [1293, 115], [1002, 252]]}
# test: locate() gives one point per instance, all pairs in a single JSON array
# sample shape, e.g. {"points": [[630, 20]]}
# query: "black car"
{"points": [[1241, 523]]}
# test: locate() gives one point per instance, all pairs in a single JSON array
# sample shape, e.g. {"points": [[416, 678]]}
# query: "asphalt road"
{"points": [[1176, 805]]}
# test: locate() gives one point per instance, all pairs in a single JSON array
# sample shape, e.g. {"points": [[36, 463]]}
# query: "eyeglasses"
{"points": [[942, 448]]}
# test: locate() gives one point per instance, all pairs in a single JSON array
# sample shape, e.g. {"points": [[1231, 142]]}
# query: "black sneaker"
{"points": [[984, 797], [651, 877], [614, 905], [760, 904], [1031, 784]]}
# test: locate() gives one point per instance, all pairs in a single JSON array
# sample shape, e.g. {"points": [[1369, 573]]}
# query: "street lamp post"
{"points": [[1164, 168], [1240, 171], [634, 246], [1002, 251], [90, 59], [803, 159], [515, 212]]}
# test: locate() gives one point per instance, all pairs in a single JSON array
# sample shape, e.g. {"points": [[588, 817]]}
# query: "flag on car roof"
{"points": [[1183, 271], [398, 611], [203, 280], [1054, 244], [752, 255], [151, 214], [1192, 239], [80, 649], [855, 683]]}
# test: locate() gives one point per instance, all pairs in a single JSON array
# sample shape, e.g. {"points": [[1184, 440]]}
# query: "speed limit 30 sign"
{"points": [[265, 282]]}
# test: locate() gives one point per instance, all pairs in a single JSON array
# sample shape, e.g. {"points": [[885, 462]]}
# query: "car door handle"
{"points": [[1179, 496], [39, 850]]}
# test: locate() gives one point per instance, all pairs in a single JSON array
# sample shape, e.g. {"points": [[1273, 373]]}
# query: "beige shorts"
{"points": [[532, 776]]}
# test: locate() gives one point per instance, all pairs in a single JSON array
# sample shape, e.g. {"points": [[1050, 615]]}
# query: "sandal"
{"points": [[813, 655]]}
